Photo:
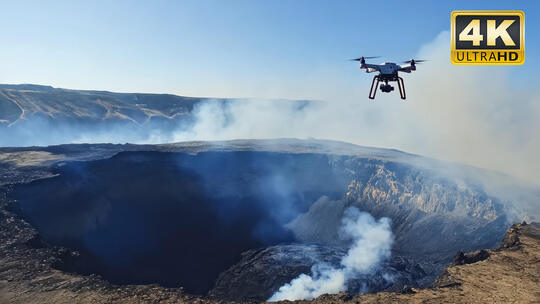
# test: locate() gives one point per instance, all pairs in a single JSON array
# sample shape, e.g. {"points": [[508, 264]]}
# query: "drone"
{"points": [[388, 71]]}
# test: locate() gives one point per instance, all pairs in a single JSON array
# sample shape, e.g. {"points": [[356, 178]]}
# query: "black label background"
{"points": [[513, 30]]}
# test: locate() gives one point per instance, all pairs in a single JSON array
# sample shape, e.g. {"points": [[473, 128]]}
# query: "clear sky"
{"points": [[223, 48]]}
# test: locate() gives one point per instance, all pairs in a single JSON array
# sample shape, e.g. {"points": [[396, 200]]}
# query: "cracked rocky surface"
{"points": [[383, 182]]}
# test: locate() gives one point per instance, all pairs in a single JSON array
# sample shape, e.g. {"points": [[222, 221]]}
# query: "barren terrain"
{"points": [[38, 266]]}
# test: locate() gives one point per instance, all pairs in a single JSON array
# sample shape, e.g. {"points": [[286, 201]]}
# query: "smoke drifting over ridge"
{"points": [[460, 113], [371, 243]]}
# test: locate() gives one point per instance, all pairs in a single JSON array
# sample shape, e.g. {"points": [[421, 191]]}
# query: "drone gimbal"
{"points": [[386, 88]]}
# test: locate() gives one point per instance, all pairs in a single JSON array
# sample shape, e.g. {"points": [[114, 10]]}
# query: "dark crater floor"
{"points": [[172, 218], [236, 220]]}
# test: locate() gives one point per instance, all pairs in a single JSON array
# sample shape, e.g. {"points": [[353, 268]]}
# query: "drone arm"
{"points": [[370, 67], [407, 69]]}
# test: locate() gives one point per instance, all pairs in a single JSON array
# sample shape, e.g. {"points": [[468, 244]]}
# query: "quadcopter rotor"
{"points": [[414, 61], [363, 58]]}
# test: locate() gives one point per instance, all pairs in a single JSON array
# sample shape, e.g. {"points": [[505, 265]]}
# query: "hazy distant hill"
{"points": [[43, 115], [27, 102]]}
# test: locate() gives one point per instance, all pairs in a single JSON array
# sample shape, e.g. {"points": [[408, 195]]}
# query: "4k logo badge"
{"points": [[488, 37]]}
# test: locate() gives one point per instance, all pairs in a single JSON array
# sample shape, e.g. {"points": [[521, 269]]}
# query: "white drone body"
{"points": [[388, 71]]}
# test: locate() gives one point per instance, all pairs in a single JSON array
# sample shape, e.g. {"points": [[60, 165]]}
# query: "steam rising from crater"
{"points": [[459, 113], [371, 243]]}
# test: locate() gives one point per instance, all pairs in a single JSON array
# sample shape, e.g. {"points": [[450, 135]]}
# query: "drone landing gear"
{"points": [[386, 88], [401, 87], [373, 91]]}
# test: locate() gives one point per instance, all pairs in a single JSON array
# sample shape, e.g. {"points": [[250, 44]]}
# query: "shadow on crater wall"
{"points": [[172, 218]]}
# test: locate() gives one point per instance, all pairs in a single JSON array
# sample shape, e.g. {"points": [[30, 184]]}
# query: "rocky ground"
{"points": [[28, 275], [509, 274], [29, 267]]}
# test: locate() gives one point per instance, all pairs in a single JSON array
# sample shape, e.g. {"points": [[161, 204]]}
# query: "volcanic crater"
{"points": [[237, 220]]}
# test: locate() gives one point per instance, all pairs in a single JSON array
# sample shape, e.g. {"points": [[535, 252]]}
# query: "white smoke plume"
{"points": [[371, 243], [468, 114]]}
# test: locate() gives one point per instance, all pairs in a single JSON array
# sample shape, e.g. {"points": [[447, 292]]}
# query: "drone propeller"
{"points": [[414, 61], [364, 58]]}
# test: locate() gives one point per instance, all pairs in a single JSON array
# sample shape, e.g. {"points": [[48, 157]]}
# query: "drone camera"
{"points": [[386, 88]]}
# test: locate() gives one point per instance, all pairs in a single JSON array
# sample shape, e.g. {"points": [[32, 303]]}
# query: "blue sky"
{"points": [[223, 48]]}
